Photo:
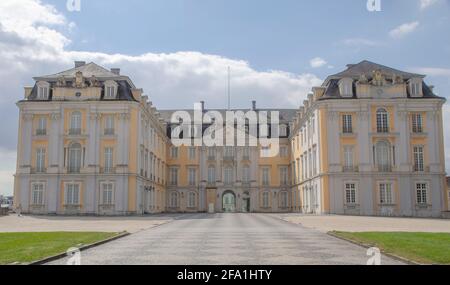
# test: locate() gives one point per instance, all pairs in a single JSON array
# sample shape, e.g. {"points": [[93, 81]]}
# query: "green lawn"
{"points": [[426, 248], [28, 247]]}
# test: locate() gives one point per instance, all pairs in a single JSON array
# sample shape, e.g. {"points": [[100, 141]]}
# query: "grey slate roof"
{"points": [[354, 71], [367, 67], [88, 70]]}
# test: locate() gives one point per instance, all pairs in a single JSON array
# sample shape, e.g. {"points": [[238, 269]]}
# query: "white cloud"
{"points": [[404, 30], [34, 43], [432, 71], [360, 42], [424, 4], [317, 62]]}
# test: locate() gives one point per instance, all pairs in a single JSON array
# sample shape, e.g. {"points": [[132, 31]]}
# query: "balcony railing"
{"points": [[384, 168], [73, 170], [108, 170], [109, 132], [74, 132], [41, 132]]}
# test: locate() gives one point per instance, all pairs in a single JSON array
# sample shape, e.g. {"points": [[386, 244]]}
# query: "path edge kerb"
{"points": [[393, 256], [83, 248]]}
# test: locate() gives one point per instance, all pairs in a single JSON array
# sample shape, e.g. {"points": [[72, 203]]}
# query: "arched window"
{"points": [[383, 156], [75, 123], [174, 200], [74, 158], [382, 121], [191, 200]]}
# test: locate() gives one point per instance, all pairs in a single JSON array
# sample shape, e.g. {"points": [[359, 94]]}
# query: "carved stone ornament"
{"points": [[79, 80], [55, 116], [378, 78], [363, 79], [94, 116], [61, 82], [93, 82]]}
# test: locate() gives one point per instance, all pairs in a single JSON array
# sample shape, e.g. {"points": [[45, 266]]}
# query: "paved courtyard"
{"points": [[13, 223], [236, 239], [368, 224]]}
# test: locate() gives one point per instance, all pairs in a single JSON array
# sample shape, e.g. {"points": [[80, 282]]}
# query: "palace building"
{"points": [[369, 141]]}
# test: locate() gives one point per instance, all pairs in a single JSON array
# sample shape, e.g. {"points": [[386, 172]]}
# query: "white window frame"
{"points": [[76, 122], [110, 90], [74, 159], [192, 176], [108, 190], [346, 87], [211, 174], [109, 159], [382, 120], [228, 175], [40, 159], [349, 157], [109, 125], [422, 194], [265, 176], [388, 188], [42, 126], [283, 130], [174, 199], [39, 199], [417, 123], [192, 199], [419, 158], [174, 176], [351, 194], [265, 199], [70, 199], [347, 124], [43, 90], [284, 198], [284, 177]]}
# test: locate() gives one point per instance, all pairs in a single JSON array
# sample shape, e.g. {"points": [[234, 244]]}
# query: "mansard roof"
{"points": [[367, 68], [88, 70]]}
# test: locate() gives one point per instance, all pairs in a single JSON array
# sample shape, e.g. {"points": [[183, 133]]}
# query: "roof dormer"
{"points": [[110, 90], [415, 87], [346, 87], [43, 90]]}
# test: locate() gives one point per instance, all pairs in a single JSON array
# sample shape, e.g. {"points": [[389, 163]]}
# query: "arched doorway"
{"points": [[229, 202]]}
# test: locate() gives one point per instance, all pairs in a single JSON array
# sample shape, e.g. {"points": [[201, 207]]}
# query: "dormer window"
{"points": [[346, 87], [110, 90], [283, 131], [43, 90], [415, 87]]}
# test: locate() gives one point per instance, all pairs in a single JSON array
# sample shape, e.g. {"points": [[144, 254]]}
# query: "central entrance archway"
{"points": [[229, 201]]}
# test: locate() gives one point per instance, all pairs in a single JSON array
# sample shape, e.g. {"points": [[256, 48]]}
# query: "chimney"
{"points": [[116, 71], [203, 105], [253, 105], [79, 63]]}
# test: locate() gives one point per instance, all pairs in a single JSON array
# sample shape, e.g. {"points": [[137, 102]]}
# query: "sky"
{"points": [[178, 51]]}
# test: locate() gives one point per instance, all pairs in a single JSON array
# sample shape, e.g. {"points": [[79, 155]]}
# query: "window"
{"points": [[211, 175], [284, 176], [348, 158], [421, 192], [313, 123], [211, 153], [417, 123], [110, 89], [314, 161], [383, 156], [382, 121], [386, 194], [229, 153], [350, 193], [266, 200], [265, 152], [347, 124], [265, 176], [42, 90], [174, 152], [228, 175], [109, 160], [192, 153], [109, 125], [418, 159], [75, 123], [174, 200], [283, 131], [192, 176], [174, 176], [415, 87], [37, 194], [107, 193], [246, 153], [74, 158], [42, 126], [72, 194], [284, 200], [246, 174], [191, 200], [40, 160], [284, 152], [346, 86]]}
